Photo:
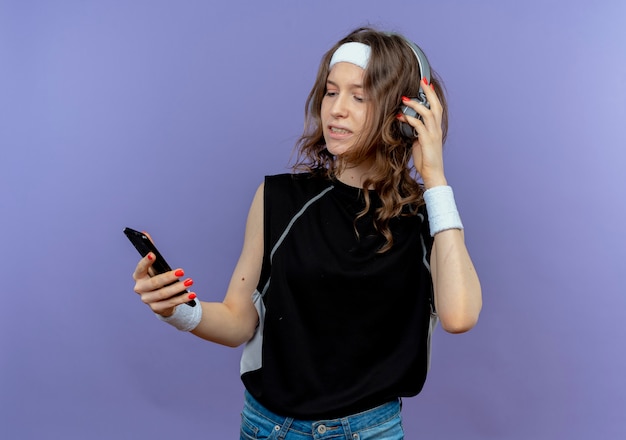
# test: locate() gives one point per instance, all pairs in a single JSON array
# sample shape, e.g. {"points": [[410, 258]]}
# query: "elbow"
{"points": [[458, 325], [460, 321], [245, 333], [461, 314], [240, 340], [236, 338], [232, 344], [232, 339]]}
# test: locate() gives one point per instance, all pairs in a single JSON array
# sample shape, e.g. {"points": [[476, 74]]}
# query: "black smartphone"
{"points": [[144, 245]]}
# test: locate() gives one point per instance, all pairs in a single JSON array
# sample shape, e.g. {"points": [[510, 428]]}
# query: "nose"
{"points": [[339, 107]]}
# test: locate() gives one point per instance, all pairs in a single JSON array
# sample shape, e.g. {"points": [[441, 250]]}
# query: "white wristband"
{"points": [[442, 212], [185, 318]]}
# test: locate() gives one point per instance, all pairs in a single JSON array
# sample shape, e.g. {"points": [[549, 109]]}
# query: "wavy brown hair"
{"points": [[392, 72]]}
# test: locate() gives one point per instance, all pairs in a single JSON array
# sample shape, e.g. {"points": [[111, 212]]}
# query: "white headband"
{"points": [[353, 52]]}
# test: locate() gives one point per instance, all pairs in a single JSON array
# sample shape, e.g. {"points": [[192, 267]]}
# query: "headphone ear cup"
{"points": [[406, 130]]}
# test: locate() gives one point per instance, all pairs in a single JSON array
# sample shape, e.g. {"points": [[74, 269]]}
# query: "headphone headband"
{"points": [[422, 61], [424, 67]]}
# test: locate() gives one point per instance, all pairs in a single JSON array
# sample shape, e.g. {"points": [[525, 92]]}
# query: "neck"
{"points": [[353, 175]]}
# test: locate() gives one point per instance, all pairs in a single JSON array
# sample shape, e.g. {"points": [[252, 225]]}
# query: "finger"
{"points": [[425, 118], [150, 284], [143, 267], [418, 126], [413, 121], [431, 96], [166, 307], [419, 108], [163, 293]]}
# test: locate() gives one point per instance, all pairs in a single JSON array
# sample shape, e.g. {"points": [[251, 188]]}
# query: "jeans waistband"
{"points": [[356, 422]]}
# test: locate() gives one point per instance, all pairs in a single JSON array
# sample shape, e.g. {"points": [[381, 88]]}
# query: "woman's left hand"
{"points": [[428, 147]]}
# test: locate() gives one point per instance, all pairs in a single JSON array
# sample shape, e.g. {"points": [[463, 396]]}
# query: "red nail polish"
{"points": [[399, 116], [404, 98], [191, 296], [188, 282], [150, 257], [425, 80], [179, 273]]}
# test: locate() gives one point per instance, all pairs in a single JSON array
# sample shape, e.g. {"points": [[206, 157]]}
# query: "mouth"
{"points": [[338, 131]]}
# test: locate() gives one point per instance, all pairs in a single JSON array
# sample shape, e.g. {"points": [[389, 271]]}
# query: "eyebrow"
{"points": [[350, 86]]}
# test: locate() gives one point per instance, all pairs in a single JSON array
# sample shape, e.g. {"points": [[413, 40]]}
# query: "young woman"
{"points": [[345, 262]]}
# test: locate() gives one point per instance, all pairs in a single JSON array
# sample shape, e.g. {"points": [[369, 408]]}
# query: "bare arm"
{"points": [[458, 296], [233, 321], [230, 322]]}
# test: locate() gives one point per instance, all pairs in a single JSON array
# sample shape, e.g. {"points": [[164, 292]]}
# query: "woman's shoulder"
{"points": [[297, 180], [294, 188]]}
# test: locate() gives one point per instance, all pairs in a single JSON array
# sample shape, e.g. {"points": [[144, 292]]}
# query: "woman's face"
{"points": [[344, 107]]}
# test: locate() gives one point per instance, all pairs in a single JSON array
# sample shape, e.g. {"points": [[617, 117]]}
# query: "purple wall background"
{"points": [[165, 116]]}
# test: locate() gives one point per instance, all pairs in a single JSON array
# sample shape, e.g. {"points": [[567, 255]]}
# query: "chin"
{"points": [[337, 150]]}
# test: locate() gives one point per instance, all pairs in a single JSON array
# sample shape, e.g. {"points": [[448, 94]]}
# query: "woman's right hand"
{"points": [[159, 292]]}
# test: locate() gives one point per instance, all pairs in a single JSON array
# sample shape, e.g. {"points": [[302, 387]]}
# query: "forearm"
{"points": [[458, 296], [220, 324], [234, 321]]}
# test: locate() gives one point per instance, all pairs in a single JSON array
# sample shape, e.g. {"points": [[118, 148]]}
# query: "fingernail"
{"points": [[399, 116], [425, 80], [191, 296], [179, 273], [404, 98], [188, 282], [150, 257]]}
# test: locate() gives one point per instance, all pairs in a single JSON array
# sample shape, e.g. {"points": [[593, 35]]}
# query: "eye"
{"points": [[330, 93], [361, 97]]}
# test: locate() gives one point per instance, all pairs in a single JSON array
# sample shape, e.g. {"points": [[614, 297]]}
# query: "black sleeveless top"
{"points": [[342, 328]]}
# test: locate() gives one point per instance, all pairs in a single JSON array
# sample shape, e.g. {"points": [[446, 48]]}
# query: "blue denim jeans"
{"points": [[381, 423]]}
